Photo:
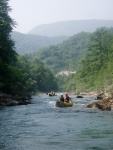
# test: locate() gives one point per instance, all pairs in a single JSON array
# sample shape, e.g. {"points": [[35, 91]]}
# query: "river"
{"points": [[42, 126]]}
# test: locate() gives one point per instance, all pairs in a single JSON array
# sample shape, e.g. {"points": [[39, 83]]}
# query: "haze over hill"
{"points": [[70, 28], [28, 43], [55, 33], [65, 56]]}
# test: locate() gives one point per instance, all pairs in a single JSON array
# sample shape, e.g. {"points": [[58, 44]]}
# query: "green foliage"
{"points": [[25, 77], [27, 83], [96, 70], [66, 83], [65, 56], [17, 75], [43, 76], [29, 43], [7, 52]]}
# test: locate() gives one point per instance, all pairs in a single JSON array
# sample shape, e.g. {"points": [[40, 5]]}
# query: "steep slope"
{"points": [[28, 43], [70, 28], [65, 56]]}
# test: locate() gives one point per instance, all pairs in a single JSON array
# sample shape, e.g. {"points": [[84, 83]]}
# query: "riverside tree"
{"points": [[16, 75], [96, 69], [7, 49], [7, 52]]}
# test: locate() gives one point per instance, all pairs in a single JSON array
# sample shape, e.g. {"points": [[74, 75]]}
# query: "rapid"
{"points": [[42, 126]]}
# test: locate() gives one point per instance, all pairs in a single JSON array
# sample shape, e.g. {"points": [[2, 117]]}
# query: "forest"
{"points": [[89, 54], [64, 56], [29, 43], [96, 71], [17, 75]]}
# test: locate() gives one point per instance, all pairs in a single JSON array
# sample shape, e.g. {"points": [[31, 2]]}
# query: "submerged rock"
{"points": [[79, 96]]}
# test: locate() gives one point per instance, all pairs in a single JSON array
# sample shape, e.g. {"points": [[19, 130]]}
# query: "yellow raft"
{"points": [[64, 104], [52, 95]]}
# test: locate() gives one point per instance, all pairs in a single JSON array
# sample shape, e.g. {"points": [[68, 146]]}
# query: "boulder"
{"points": [[9, 100], [105, 104], [79, 96], [101, 95]]}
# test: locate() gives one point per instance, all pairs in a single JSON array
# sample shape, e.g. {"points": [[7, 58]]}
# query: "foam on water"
{"points": [[42, 126]]}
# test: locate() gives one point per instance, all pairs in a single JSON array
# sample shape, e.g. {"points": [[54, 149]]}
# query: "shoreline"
{"points": [[9, 100], [104, 101]]}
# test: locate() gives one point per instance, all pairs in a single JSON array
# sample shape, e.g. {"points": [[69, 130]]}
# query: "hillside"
{"points": [[65, 56], [70, 28], [95, 69], [28, 43]]}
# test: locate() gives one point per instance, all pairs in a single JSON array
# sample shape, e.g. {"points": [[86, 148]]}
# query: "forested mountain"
{"points": [[90, 54], [96, 71], [70, 28], [55, 33], [65, 56], [17, 75], [28, 43]]}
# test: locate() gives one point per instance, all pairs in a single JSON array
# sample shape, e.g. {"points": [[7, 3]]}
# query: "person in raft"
{"points": [[67, 98], [62, 98]]}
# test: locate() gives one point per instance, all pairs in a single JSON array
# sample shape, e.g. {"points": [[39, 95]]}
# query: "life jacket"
{"points": [[67, 98]]}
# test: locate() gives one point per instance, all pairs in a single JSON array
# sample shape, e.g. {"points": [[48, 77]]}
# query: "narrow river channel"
{"points": [[42, 126]]}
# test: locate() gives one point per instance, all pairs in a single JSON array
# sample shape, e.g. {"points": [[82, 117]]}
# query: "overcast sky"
{"points": [[30, 13]]}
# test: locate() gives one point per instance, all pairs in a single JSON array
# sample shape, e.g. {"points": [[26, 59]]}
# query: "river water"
{"points": [[42, 126]]}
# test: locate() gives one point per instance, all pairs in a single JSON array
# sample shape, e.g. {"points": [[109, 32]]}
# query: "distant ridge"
{"points": [[70, 28], [29, 43]]}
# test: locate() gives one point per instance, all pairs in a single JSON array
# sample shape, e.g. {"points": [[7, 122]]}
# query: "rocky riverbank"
{"points": [[9, 100], [105, 102]]}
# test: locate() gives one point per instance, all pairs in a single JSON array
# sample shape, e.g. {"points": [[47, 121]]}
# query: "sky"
{"points": [[30, 13]]}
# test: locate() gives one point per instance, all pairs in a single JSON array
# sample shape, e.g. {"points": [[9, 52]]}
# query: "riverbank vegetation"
{"points": [[96, 71], [89, 54], [17, 75], [64, 56]]}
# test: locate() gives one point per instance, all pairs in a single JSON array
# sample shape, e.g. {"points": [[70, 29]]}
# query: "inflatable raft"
{"points": [[64, 104]]}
